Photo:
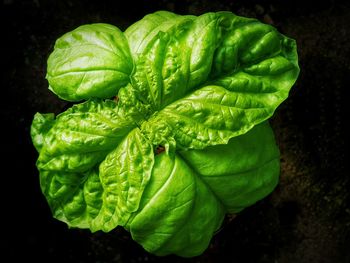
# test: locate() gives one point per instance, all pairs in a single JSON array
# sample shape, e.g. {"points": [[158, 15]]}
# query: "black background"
{"points": [[307, 217]]}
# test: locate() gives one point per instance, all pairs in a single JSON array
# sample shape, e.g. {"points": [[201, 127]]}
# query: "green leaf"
{"points": [[175, 55], [74, 198], [229, 107], [140, 33], [246, 42], [41, 125], [83, 135], [101, 199], [124, 175], [92, 61], [160, 66], [200, 186], [173, 203], [245, 69], [241, 172]]}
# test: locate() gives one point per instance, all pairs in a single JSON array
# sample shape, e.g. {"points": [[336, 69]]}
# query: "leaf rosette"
{"points": [[200, 89]]}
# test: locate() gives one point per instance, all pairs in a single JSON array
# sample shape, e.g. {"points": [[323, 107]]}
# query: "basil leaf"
{"points": [[74, 198], [214, 114], [101, 199], [247, 69], [92, 61], [241, 172], [173, 202], [140, 33], [124, 174], [83, 135], [160, 67], [200, 186], [41, 125], [175, 55]]}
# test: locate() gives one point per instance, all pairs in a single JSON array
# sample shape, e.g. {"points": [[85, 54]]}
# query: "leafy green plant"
{"points": [[174, 132]]}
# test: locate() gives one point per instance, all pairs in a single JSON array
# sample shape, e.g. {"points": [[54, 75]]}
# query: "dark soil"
{"points": [[306, 219]]}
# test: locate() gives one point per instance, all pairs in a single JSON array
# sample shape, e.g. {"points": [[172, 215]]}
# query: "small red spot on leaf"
{"points": [[160, 149]]}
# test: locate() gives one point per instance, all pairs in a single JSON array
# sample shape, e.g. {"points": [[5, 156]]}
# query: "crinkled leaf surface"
{"points": [[81, 137], [41, 124], [185, 140], [125, 173]]}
